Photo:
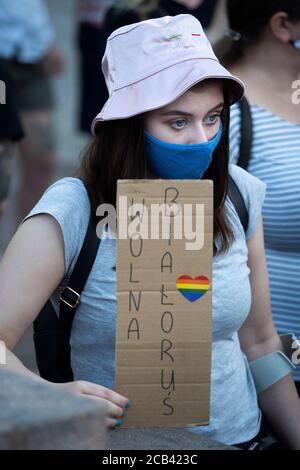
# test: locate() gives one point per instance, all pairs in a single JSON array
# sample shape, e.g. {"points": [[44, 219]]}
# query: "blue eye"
{"points": [[213, 119], [178, 120]]}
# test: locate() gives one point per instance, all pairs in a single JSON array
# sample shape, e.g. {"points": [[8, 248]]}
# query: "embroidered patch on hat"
{"points": [[183, 39], [175, 36]]}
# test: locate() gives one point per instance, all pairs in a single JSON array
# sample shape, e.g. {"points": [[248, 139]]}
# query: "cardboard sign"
{"points": [[164, 295]]}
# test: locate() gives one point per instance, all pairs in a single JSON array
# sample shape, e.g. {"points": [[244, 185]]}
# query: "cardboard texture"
{"points": [[163, 342]]}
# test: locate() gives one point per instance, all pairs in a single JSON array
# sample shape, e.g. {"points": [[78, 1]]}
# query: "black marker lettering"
{"points": [[136, 330], [174, 200], [140, 240], [171, 232], [166, 345], [167, 195], [172, 381], [130, 277], [169, 406], [136, 305], [164, 326], [169, 260], [137, 214], [164, 295]]}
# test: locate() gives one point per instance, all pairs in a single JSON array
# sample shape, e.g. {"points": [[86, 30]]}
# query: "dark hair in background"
{"points": [[249, 18], [118, 152]]}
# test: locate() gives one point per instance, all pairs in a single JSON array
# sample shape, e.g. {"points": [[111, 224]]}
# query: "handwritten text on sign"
{"points": [[163, 344]]}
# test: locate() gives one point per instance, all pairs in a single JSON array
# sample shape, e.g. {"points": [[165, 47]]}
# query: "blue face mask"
{"points": [[180, 161]]}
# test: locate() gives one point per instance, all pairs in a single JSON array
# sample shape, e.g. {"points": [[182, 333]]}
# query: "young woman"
{"points": [[166, 90], [263, 49]]}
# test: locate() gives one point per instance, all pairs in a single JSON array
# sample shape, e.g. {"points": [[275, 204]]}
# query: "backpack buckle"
{"points": [[72, 297]]}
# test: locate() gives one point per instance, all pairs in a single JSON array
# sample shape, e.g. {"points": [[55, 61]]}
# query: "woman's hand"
{"points": [[116, 404]]}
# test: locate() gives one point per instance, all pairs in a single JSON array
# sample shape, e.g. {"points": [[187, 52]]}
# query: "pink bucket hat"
{"points": [[149, 64]]}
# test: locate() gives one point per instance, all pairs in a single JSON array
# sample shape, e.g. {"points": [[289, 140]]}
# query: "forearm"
{"points": [[281, 406], [277, 393], [14, 364], [280, 402]]}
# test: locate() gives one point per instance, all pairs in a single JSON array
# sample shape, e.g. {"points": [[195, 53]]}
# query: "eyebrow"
{"points": [[184, 113]]}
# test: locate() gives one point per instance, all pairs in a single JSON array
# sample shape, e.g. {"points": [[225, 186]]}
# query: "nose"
{"points": [[198, 134]]}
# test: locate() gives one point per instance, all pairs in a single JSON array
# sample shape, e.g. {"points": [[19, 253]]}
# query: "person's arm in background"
{"points": [[219, 23], [191, 4], [258, 337], [92, 12], [27, 34]]}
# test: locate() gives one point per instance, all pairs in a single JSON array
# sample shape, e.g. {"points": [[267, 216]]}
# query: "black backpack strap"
{"points": [[70, 296], [52, 333], [238, 201], [246, 134], [45, 339]]}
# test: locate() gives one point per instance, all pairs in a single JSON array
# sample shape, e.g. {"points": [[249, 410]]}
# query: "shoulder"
{"points": [[67, 202], [66, 196], [69, 186], [68, 182], [245, 180], [253, 192]]}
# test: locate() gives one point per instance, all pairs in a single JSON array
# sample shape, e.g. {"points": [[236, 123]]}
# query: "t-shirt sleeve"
{"points": [[253, 191], [234, 133], [67, 201]]}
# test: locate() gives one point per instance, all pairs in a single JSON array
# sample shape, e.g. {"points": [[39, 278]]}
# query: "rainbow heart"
{"points": [[192, 289]]}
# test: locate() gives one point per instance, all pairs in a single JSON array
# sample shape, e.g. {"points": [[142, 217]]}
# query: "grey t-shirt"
{"points": [[235, 415]]}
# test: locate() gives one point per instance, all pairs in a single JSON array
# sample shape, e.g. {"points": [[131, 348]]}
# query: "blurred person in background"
{"points": [[203, 10], [211, 13], [10, 132], [27, 49], [262, 48], [125, 12], [91, 41]]}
